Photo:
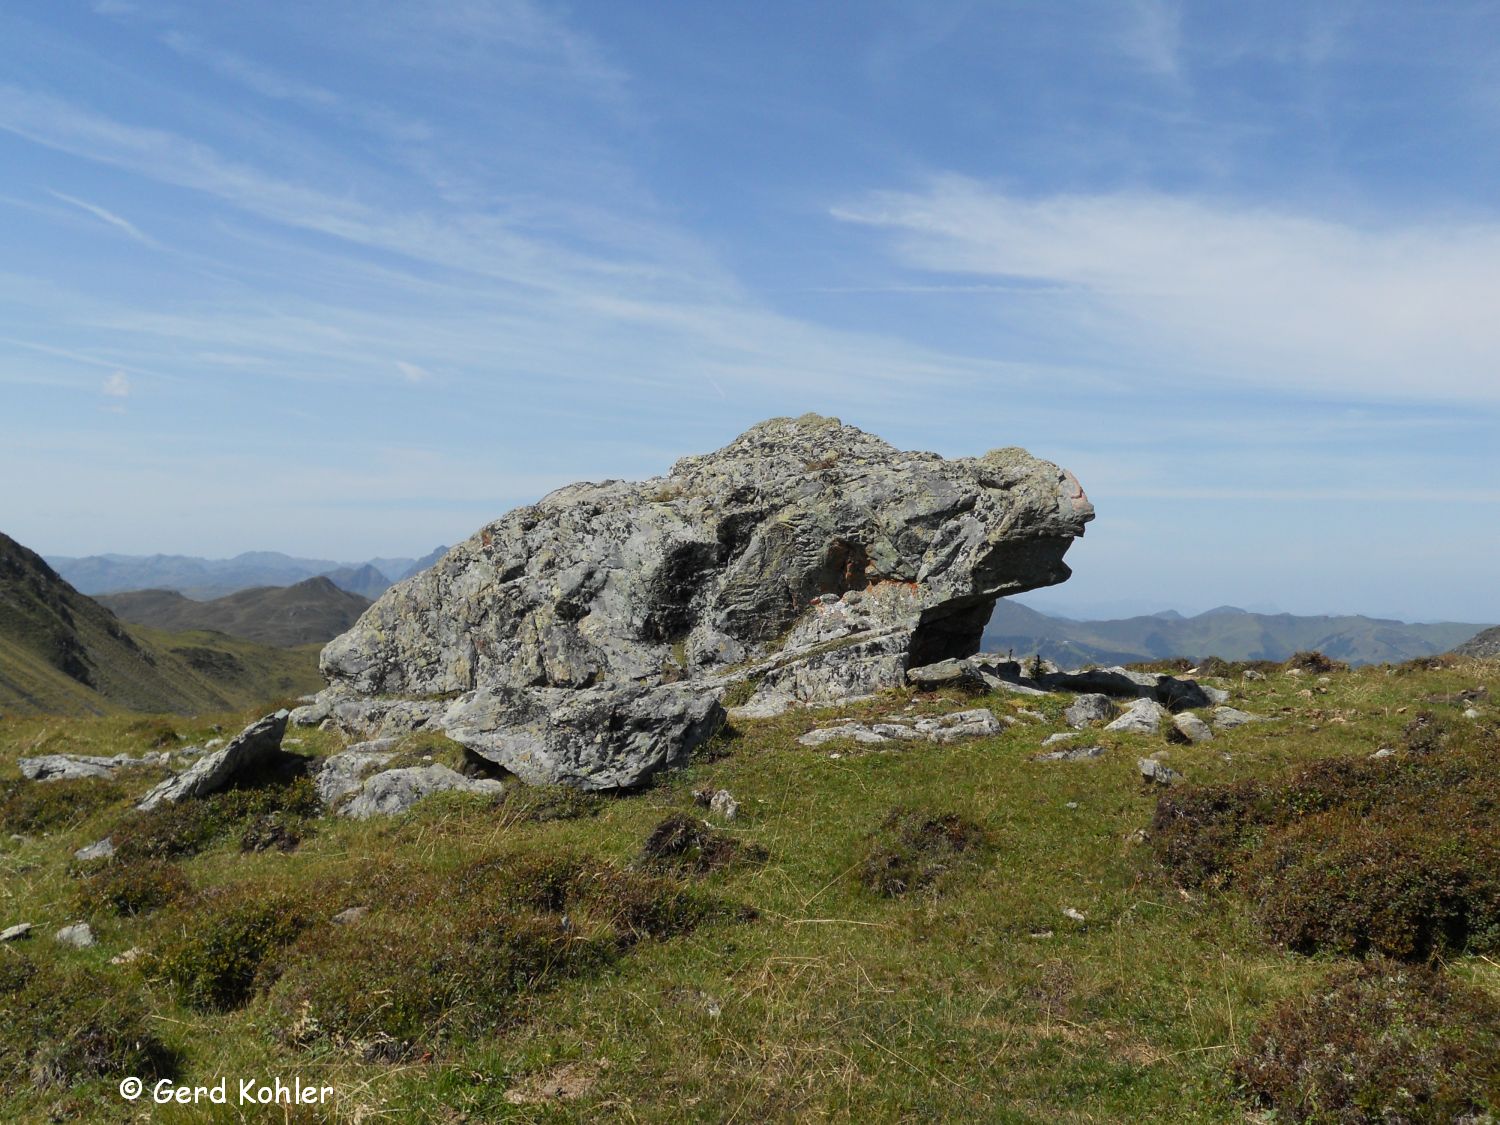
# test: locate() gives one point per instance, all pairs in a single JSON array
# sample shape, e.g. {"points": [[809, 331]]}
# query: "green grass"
{"points": [[789, 990]]}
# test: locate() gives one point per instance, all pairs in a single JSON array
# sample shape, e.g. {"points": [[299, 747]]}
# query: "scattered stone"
{"points": [[1252, 674], [1072, 754], [69, 767], [395, 791], [1191, 727], [351, 915], [1143, 717], [1138, 836], [808, 557], [1227, 718], [100, 849], [1061, 736], [1070, 805], [720, 802], [17, 932], [947, 673], [1471, 713], [246, 752], [134, 953], [343, 773], [1075, 915], [1154, 771], [1089, 709], [1383, 752], [1034, 716], [79, 934], [952, 727], [213, 744]]}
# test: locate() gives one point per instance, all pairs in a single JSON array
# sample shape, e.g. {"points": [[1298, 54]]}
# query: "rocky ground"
{"points": [[971, 900]]}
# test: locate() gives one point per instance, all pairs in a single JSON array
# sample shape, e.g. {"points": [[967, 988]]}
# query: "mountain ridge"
{"points": [[314, 610]]}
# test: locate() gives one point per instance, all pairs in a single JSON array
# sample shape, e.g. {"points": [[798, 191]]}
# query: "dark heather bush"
{"points": [[36, 808], [227, 948], [64, 1026], [1383, 1043], [133, 887], [914, 849], [186, 828], [685, 843], [1315, 662], [1399, 856]]}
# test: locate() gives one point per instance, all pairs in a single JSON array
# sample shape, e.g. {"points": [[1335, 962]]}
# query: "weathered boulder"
{"points": [[1144, 716], [1089, 709], [1227, 718], [246, 752], [1072, 754], [952, 727], [953, 672], [806, 556], [1191, 727], [343, 773]]}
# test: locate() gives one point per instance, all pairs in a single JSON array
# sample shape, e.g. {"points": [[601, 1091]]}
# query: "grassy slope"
{"points": [[834, 1003], [314, 611]]}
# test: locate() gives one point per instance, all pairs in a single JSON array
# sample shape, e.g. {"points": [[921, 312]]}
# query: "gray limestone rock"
{"points": [[343, 773], [100, 849], [1144, 716], [1192, 727], [79, 935], [591, 738], [1155, 772], [246, 751], [952, 727], [395, 791], [1063, 736], [1089, 709], [1227, 718], [67, 767], [953, 672], [1072, 754], [811, 556], [17, 932]]}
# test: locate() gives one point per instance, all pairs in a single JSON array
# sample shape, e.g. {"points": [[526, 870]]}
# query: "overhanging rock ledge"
{"points": [[588, 639]]}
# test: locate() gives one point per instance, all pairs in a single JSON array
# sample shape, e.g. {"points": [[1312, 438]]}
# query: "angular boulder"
{"points": [[807, 557], [246, 752], [392, 792]]}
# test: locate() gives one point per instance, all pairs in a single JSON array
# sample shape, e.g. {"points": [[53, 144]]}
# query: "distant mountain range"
{"points": [[1227, 632], [62, 652], [205, 579], [312, 611]]}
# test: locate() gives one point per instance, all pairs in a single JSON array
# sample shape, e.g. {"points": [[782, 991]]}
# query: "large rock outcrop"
{"points": [[588, 637]]}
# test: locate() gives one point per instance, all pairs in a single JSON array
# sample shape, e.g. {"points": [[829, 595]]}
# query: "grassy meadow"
{"points": [[1040, 953]]}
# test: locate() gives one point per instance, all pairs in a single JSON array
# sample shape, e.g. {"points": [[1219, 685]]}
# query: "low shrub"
{"points": [[60, 1026], [133, 887], [1380, 1043], [540, 804], [1314, 662], [1399, 856], [186, 828], [686, 844], [226, 949], [914, 849], [36, 808]]}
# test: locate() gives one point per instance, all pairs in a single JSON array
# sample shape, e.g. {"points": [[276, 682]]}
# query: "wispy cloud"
{"points": [[412, 373], [1205, 289], [1152, 36], [120, 224], [117, 385]]}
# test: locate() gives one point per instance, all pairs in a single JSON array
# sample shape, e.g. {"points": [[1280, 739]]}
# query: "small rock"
{"points": [[353, 914], [1383, 752], [134, 953], [1072, 754], [79, 935], [1062, 736], [1075, 915], [1034, 716], [724, 805], [213, 744], [100, 849], [1153, 771], [17, 932], [1252, 674], [946, 673], [1041, 934], [1227, 718], [1191, 727], [1143, 717], [1071, 805], [1471, 713], [1139, 836], [1089, 709]]}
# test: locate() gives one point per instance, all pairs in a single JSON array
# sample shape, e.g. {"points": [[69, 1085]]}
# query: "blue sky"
{"points": [[352, 279]]}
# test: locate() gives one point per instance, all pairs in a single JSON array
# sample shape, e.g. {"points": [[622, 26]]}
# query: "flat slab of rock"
{"points": [[975, 723], [99, 849], [1144, 716], [67, 767], [811, 557], [246, 752], [1156, 773], [17, 932], [1227, 718], [395, 791], [1072, 754], [343, 773], [953, 672]]}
